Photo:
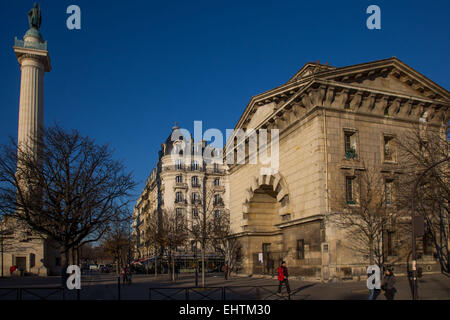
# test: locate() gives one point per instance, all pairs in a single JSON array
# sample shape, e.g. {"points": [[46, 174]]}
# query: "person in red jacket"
{"points": [[283, 278]]}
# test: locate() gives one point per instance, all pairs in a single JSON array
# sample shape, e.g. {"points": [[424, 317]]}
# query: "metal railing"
{"points": [[32, 293], [225, 293], [28, 44]]}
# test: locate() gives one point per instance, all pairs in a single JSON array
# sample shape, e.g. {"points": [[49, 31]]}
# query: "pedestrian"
{"points": [[283, 277], [12, 269], [388, 285], [177, 271], [226, 271], [124, 274], [129, 274]]}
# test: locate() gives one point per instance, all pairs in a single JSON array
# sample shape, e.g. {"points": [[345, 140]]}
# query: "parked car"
{"points": [[93, 267], [104, 268]]}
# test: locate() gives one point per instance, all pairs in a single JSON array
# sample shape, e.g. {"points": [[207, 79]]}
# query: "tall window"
{"points": [[388, 191], [427, 243], [391, 245], [216, 214], [217, 199], [301, 249], [194, 213], [216, 167], [194, 181], [194, 165], [178, 164], [179, 179], [178, 196], [217, 182], [349, 185], [388, 152], [179, 213], [350, 144], [195, 197]]}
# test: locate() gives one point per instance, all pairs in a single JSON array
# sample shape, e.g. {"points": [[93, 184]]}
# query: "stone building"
{"points": [[20, 246], [182, 185], [331, 122]]}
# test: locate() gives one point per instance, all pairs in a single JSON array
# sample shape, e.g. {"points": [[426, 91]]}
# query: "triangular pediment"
{"points": [[310, 69], [390, 75]]}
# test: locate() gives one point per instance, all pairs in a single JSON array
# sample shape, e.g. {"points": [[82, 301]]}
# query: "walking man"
{"points": [[226, 271], [388, 285], [283, 278]]}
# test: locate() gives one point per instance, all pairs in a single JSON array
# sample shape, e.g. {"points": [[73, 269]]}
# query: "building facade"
{"points": [[185, 185], [333, 123]]}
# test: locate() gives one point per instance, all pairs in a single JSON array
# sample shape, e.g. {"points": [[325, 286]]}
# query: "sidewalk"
{"points": [[104, 286]]}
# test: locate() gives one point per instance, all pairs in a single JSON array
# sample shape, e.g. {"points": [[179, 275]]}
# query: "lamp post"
{"points": [[415, 224]]}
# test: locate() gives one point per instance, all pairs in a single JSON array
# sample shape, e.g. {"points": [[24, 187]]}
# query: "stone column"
{"points": [[34, 61]]}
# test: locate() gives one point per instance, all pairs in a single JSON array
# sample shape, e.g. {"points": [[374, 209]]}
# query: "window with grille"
{"points": [[349, 192], [194, 165], [217, 182], [178, 165], [195, 181], [388, 191], [217, 199], [300, 249]]}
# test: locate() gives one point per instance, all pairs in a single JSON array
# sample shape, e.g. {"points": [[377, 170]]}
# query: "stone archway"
{"points": [[265, 205], [267, 201]]}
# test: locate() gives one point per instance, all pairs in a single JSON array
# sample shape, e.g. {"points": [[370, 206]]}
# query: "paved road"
{"points": [[104, 287]]}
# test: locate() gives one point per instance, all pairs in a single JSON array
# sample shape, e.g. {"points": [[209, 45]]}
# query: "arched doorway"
{"points": [[266, 206]]}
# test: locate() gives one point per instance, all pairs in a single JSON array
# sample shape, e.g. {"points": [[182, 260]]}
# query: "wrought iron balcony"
{"points": [[181, 185]]}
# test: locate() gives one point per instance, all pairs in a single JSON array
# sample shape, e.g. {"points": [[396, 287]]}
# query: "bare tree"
{"points": [[424, 151], [169, 232], [368, 215], [117, 243], [69, 192], [206, 222], [222, 240]]}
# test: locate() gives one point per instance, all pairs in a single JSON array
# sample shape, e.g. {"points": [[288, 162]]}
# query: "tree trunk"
{"points": [[371, 250], [203, 265], [156, 263], [173, 268]]}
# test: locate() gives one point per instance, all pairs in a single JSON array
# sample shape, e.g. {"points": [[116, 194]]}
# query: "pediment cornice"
{"points": [[338, 85]]}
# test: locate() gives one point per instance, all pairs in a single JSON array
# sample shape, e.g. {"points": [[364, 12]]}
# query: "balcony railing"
{"points": [[219, 188], [28, 44], [181, 185], [196, 185], [219, 203], [180, 201]]}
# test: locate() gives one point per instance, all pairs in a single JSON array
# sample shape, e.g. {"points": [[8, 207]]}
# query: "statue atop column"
{"points": [[34, 17]]}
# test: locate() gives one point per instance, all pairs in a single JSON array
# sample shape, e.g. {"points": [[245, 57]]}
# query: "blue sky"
{"points": [[136, 67]]}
